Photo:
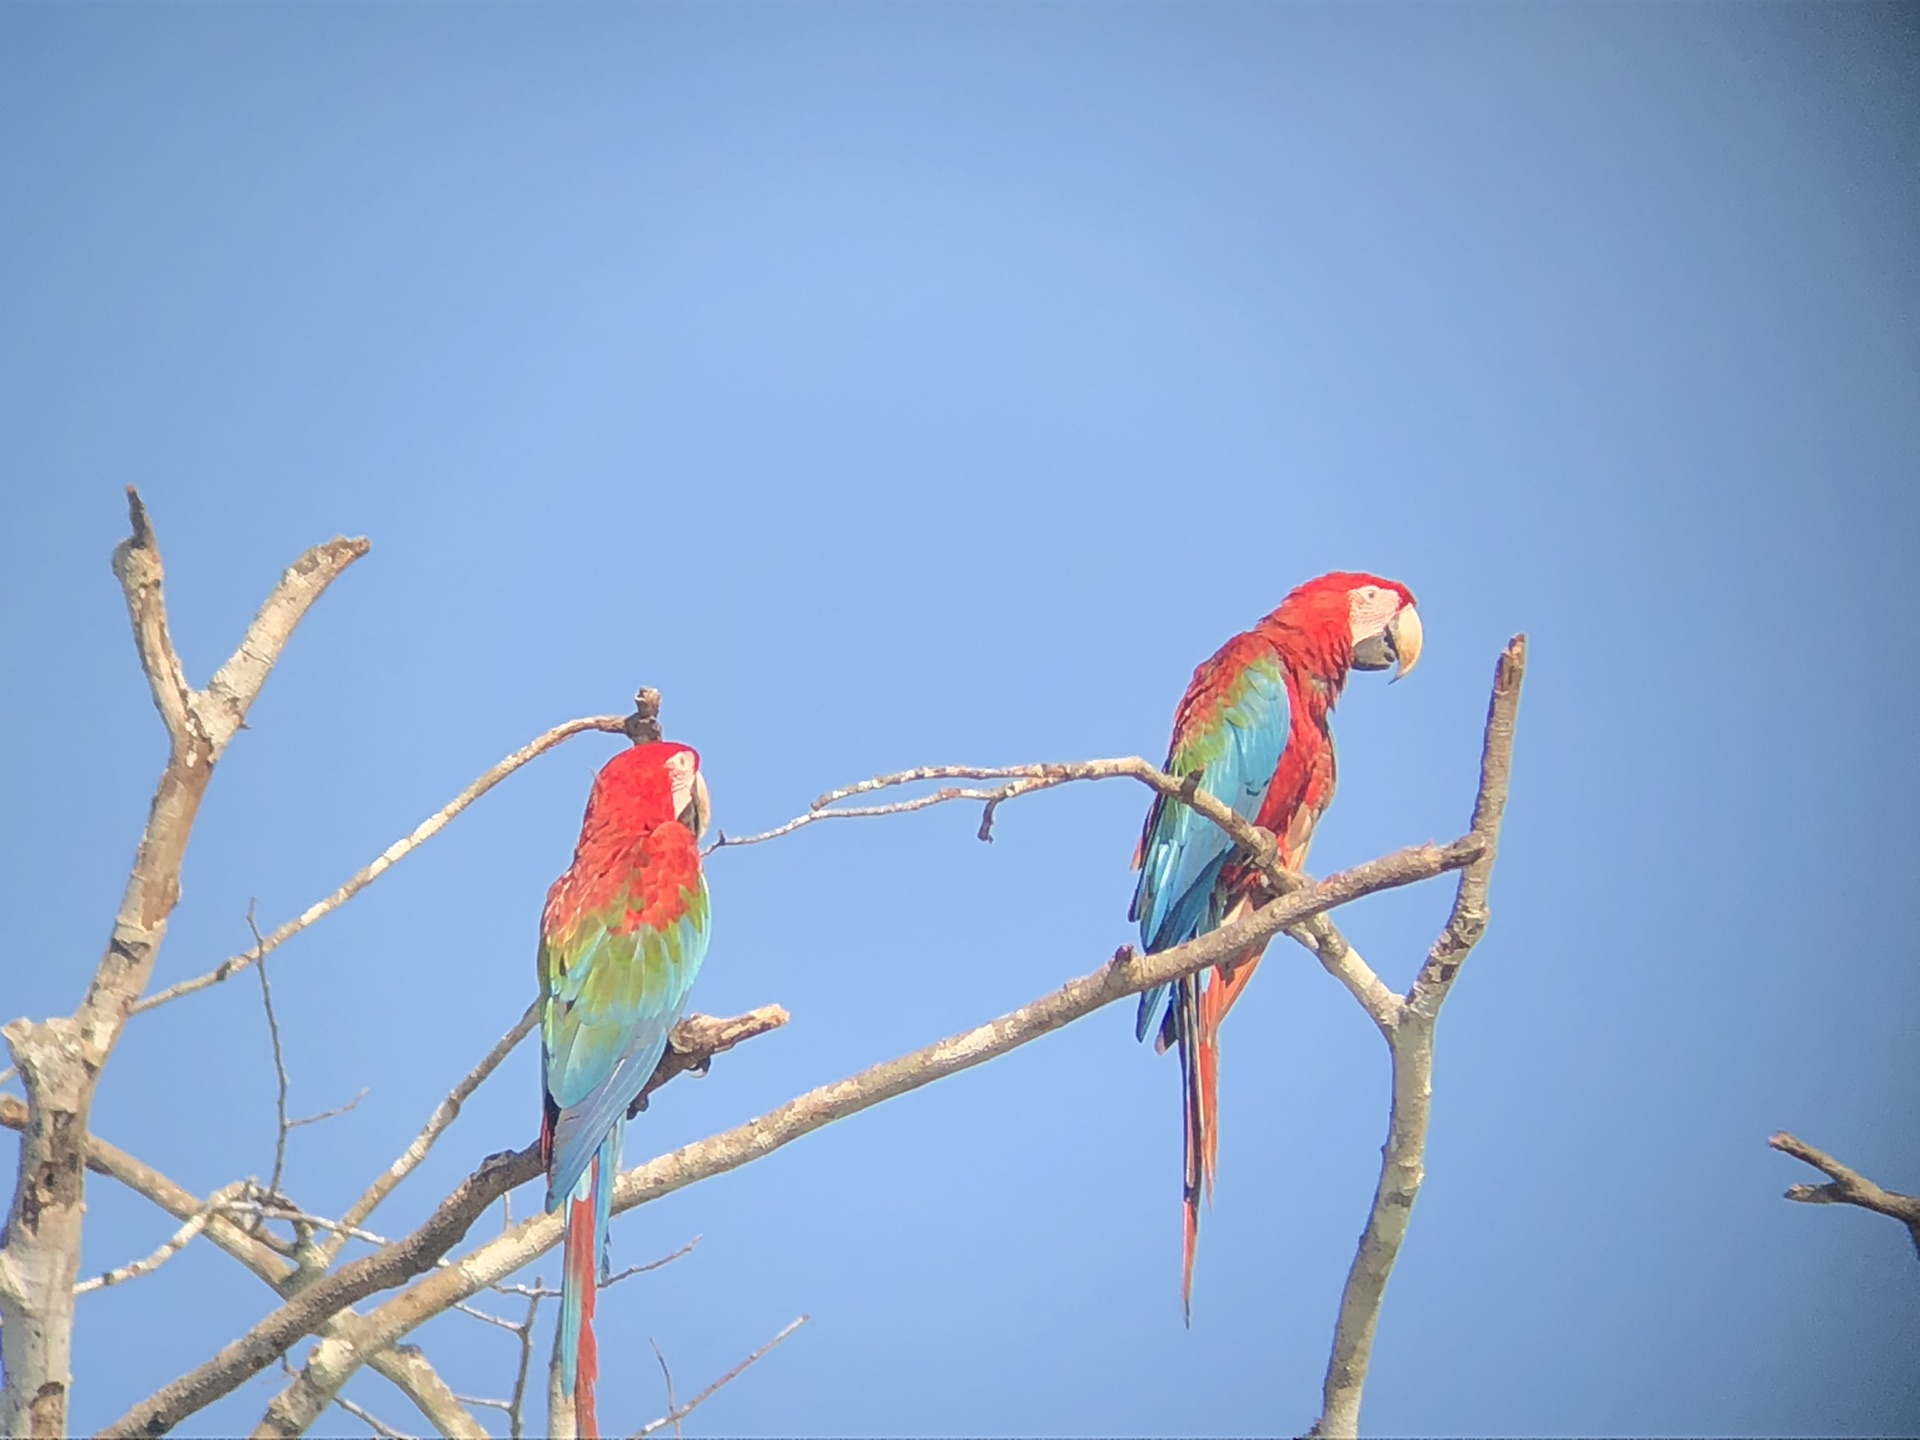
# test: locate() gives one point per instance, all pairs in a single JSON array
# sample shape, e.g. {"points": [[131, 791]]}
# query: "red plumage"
{"points": [[581, 1258], [626, 834], [622, 935], [1308, 645]]}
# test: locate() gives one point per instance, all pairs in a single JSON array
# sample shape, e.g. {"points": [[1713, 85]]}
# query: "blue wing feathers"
{"points": [[582, 1128], [1236, 749]]}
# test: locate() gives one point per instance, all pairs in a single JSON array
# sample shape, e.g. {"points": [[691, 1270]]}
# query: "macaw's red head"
{"points": [[649, 785], [1355, 620]]}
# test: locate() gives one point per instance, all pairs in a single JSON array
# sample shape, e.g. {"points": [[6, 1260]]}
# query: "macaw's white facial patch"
{"points": [[681, 768], [1369, 608]]}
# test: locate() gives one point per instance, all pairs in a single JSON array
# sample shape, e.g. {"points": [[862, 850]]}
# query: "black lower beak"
{"points": [[1376, 652]]}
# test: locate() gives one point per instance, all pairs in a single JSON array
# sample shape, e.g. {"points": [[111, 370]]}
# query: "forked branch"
{"points": [[60, 1060], [406, 1367], [386, 859], [676, 1413], [1410, 1043], [1847, 1186], [335, 1359], [325, 1298]]}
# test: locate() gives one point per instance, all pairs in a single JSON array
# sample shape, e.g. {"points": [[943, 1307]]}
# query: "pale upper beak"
{"points": [[699, 808], [1405, 636], [1396, 646]]}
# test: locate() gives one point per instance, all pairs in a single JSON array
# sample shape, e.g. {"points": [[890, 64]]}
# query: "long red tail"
{"points": [[581, 1266], [1204, 1000]]}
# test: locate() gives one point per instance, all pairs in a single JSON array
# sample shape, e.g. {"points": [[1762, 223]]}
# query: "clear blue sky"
{"points": [[901, 384]]}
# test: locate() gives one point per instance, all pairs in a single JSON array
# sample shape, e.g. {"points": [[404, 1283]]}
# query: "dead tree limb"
{"points": [[1847, 1186], [321, 1304], [1408, 1024], [406, 1367], [334, 1361], [388, 858], [676, 1413], [444, 1114], [60, 1060]]}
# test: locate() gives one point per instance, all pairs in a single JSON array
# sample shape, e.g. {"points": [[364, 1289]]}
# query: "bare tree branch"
{"points": [[666, 1375], [516, 1402], [444, 1115], [1343, 962], [60, 1060], [323, 1298], [1410, 1043], [1847, 1187], [542, 1291], [1258, 844], [404, 1365], [691, 1047], [674, 1416], [173, 1245], [279, 1061], [335, 1359], [407, 1367], [388, 858], [335, 1113], [370, 1420], [136, 561]]}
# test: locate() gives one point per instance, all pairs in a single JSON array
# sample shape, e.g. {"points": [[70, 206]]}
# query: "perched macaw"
{"points": [[1253, 725], [622, 936]]}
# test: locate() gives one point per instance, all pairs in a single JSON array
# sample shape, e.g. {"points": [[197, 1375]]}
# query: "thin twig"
{"points": [[487, 1315], [279, 1058], [444, 1114], [1259, 846], [171, 1247], [335, 1113], [992, 797], [687, 1409], [484, 1403], [673, 1405], [1848, 1186], [548, 1292], [373, 1422], [174, 1244], [388, 858], [275, 1209]]}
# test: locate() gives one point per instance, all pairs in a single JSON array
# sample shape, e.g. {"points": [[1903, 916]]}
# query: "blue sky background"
{"points": [[900, 384]]}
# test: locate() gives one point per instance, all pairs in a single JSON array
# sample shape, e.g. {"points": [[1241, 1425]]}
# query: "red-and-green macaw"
{"points": [[1253, 725], [622, 936]]}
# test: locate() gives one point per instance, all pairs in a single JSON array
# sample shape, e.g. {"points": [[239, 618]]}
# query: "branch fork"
{"points": [[1847, 1186], [60, 1061]]}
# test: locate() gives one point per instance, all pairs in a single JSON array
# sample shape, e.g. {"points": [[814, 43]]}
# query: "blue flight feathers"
{"points": [[1235, 747]]}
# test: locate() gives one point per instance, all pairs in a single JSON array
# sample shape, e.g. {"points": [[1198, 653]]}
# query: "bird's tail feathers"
{"points": [[588, 1208], [1193, 1024], [1223, 987], [1194, 1127]]}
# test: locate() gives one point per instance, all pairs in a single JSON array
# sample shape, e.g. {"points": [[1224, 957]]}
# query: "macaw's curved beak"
{"points": [[1396, 645], [699, 808]]}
